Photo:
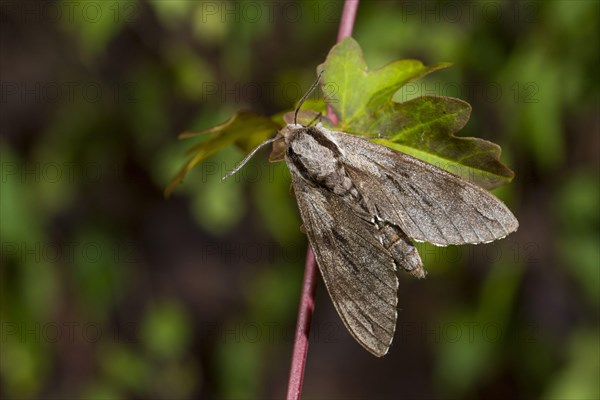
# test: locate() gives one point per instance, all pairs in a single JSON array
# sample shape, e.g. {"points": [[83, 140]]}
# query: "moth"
{"points": [[363, 205]]}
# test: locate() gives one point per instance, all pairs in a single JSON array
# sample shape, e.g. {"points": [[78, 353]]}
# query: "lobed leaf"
{"points": [[352, 90], [423, 127], [246, 129]]}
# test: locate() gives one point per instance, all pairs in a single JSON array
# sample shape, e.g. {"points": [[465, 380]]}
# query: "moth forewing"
{"points": [[357, 271], [428, 203]]}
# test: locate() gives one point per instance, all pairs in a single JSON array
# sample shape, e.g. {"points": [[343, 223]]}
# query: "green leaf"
{"points": [[245, 129], [353, 91], [423, 127]]}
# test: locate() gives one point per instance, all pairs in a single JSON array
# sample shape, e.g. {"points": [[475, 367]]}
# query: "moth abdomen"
{"points": [[400, 247]]}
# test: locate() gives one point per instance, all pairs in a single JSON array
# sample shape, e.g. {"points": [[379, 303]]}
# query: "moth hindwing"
{"points": [[361, 204]]}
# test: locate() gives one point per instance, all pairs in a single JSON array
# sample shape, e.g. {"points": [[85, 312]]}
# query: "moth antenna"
{"points": [[248, 157], [312, 88]]}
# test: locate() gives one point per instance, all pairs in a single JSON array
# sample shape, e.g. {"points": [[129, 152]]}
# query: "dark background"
{"points": [[110, 291]]}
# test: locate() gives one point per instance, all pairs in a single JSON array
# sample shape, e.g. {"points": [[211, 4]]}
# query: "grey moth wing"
{"points": [[358, 271], [426, 202]]}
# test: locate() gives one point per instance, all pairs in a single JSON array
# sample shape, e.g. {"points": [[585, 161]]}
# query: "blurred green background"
{"points": [[110, 291]]}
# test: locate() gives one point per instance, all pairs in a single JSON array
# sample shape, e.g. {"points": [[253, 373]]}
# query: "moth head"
{"points": [[283, 137], [280, 145], [282, 140]]}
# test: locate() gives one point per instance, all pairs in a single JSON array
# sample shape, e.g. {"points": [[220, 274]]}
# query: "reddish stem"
{"points": [[307, 302], [347, 20], [305, 310]]}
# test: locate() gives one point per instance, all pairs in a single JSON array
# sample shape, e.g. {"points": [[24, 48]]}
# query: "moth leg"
{"points": [[401, 248]]}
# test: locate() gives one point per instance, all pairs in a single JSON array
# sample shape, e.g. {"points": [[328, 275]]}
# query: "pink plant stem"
{"points": [[307, 298], [307, 304], [347, 20]]}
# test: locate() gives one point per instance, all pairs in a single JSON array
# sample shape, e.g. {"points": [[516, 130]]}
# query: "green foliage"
{"points": [[579, 219], [579, 379], [93, 27], [125, 367], [165, 331], [465, 359], [243, 129], [356, 93]]}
